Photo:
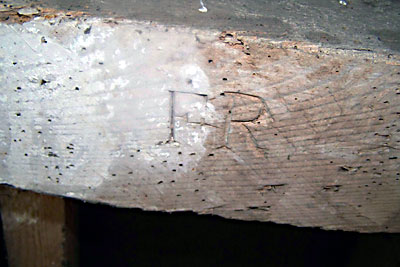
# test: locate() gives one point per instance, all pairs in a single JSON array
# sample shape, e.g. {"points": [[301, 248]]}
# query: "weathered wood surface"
{"points": [[173, 118], [38, 229]]}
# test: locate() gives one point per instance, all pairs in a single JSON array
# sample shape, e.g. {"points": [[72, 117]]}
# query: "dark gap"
{"points": [[131, 237]]}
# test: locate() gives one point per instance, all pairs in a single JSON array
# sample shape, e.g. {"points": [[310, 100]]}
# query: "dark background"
{"points": [[126, 237], [131, 237]]}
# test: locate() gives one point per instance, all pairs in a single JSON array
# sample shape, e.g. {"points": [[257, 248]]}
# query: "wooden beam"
{"points": [[39, 230], [170, 118]]}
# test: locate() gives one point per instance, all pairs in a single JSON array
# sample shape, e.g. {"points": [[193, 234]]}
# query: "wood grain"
{"points": [[36, 229], [213, 122]]}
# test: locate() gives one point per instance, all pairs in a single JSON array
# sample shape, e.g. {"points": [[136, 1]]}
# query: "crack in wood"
{"points": [[261, 208], [334, 188], [271, 187], [346, 168]]}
